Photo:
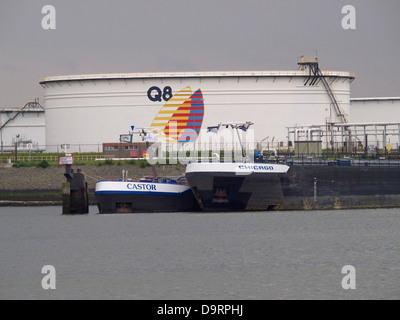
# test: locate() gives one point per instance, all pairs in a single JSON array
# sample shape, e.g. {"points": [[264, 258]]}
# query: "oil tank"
{"points": [[85, 111]]}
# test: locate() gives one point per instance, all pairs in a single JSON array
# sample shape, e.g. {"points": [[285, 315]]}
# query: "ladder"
{"points": [[312, 64]]}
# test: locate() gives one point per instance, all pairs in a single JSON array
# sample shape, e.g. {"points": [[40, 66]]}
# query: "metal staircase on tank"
{"points": [[316, 74]]}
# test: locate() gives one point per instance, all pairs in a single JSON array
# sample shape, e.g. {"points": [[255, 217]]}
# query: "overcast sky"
{"points": [[104, 36]]}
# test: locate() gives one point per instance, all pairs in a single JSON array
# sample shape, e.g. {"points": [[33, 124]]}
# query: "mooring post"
{"points": [[74, 192], [66, 197]]}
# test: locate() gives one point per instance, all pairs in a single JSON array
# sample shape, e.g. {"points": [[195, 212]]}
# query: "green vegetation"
{"points": [[26, 164], [45, 160], [43, 164], [23, 164]]}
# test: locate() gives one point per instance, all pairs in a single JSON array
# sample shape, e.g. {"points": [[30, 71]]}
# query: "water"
{"points": [[251, 255]]}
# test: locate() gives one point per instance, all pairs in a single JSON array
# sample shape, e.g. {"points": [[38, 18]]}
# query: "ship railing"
{"points": [[339, 162]]}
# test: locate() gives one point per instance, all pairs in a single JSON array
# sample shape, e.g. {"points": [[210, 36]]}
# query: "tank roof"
{"points": [[200, 74], [375, 99]]}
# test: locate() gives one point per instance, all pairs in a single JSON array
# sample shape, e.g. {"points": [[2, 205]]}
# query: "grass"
{"points": [[24, 164], [108, 162]]}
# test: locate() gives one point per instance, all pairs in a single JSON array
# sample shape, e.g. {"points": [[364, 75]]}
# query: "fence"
{"points": [[267, 150], [49, 158]]}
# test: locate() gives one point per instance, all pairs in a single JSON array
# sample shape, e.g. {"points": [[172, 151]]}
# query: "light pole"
{"points": [[16, 148], [1, 139]]}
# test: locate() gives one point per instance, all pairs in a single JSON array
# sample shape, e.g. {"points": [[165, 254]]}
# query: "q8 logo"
{"points": [[155, 93]]}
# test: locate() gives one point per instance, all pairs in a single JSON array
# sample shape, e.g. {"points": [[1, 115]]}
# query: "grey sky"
{"points": [[104, 36]]}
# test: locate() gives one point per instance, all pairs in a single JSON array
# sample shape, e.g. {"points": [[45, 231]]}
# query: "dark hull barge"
{"points": [[248, 187]]}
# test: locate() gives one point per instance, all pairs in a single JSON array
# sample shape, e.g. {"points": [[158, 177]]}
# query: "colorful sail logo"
{"points": [[181, 117]]}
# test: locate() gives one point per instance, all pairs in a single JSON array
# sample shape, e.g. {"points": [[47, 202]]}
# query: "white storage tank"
{"points": [[379, 109], [85, 111]]}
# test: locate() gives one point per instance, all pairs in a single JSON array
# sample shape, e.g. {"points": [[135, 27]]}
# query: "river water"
{"points": [[249, 255]]}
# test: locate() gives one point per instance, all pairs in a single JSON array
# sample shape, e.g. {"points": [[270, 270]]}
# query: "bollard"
{"points": [[75, 193]]}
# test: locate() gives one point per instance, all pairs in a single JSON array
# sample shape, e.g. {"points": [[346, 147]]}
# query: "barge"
{"points": [[236, 186], [147, 195]]}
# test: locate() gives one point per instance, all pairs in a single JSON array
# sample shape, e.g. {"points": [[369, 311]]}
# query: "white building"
{"points": [[86, 110]]}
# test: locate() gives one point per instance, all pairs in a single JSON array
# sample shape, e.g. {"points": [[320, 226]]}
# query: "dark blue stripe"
{"points": [[196, 118]]}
